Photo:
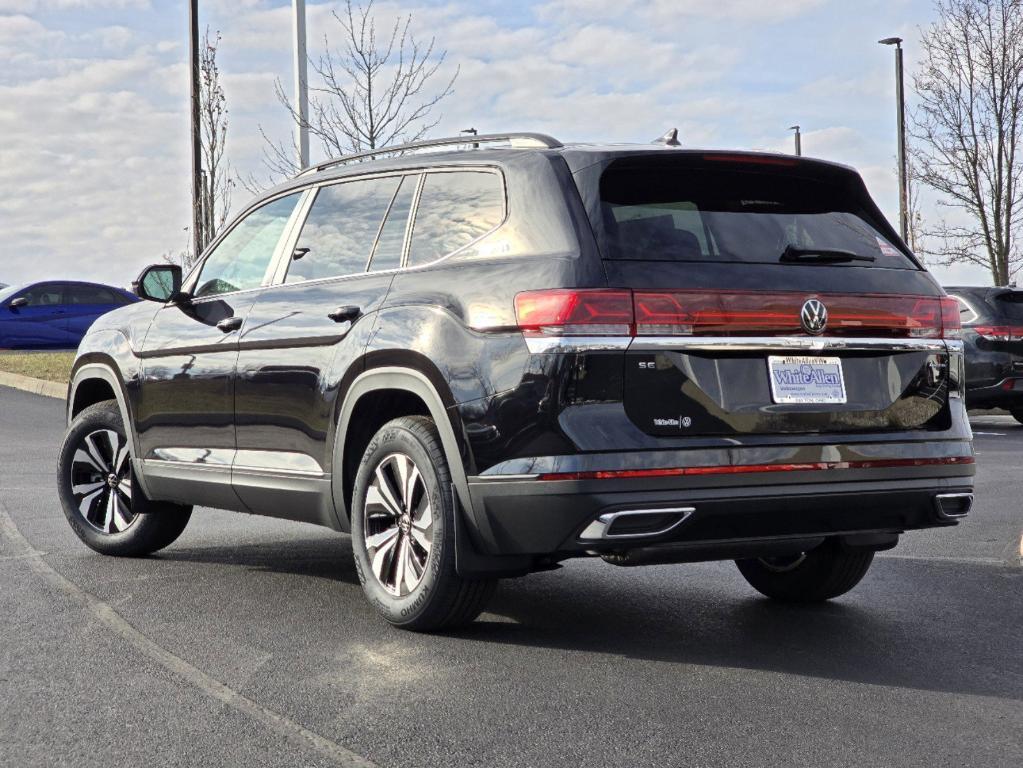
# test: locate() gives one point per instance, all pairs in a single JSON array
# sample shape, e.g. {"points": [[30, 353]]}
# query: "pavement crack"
{"points": [[113, 621]]}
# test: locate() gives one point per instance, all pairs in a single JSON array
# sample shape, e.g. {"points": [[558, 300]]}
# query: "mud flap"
{"points": [[470, 564]]}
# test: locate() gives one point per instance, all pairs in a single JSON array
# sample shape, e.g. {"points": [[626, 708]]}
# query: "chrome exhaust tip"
{"points": [[952, 506], [635, 523]]}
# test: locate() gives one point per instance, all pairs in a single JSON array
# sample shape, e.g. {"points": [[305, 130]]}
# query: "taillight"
{"points": [[621, 312], [690, 313], [574, 312], [999, 332], [951, 325]]}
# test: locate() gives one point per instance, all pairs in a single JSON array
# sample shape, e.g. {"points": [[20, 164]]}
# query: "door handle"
{"points": [[229, 324], [348, 312]]}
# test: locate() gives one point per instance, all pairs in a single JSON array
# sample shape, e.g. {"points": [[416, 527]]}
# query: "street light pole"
{"points": [[799, 140], [903, 173], [193, 34], [301, 84]]}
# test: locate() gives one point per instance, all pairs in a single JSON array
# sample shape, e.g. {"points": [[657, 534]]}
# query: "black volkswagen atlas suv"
{"points": [[481, 360], [992, 320]]}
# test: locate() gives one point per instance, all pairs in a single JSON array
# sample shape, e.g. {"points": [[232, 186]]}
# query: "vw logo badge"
{"points": [[814, 316]]}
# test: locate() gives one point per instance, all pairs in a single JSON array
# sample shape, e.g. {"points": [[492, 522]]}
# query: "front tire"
{"points": [[828, 571], [101, 500], [403, 534]]}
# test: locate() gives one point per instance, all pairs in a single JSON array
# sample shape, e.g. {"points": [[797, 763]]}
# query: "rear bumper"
{"points": [[525, 515], [1007, 393]]}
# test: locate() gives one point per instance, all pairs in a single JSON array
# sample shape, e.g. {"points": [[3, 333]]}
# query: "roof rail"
{"points": [[518, 140]]}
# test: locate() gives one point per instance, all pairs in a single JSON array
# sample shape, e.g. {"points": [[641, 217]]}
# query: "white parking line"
{"points": [[940, 559], [990, 434], [104, 613]]}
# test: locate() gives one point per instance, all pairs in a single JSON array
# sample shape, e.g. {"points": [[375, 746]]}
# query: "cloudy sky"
{"points": [[94, 111]]}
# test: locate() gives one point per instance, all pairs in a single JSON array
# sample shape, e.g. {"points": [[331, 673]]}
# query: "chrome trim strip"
{"points": [[163, 466], [249, 461], [539, 345], [221, 457], [271, 472], [501, 478], [599, 528], [799, 343], [549, 345]]}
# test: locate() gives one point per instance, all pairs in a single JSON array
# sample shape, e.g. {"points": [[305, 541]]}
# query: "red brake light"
{"points": [[742, 469], [999, 332], [751, 159], [951, 325], [574, 312], [691, 313], [621, 312]]}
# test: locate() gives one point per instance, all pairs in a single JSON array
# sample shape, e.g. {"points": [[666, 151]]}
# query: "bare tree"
{"points": [[372, 92], [968, 128], [216, 178], [915, 219]]}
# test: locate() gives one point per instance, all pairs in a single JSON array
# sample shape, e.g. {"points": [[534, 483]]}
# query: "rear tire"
{"points": [[403, 533], [101, 499], [828, 571]]}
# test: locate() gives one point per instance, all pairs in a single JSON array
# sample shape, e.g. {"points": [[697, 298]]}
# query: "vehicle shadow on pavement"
{"points": [[927, 625], [943, 629], [319, 558]]}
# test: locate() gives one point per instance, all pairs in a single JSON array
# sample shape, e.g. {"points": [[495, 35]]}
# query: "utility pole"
{"points": [[301, 84], [900, 98], [799, 140], [197, 216]]}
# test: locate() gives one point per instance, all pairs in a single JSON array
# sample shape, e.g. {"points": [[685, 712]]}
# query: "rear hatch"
{"points": [[768, 296]]}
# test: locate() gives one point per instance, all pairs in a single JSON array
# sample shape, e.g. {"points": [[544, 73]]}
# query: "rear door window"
{"points": [[92, 294], [666, 213], [455, 208], [341, 228]]}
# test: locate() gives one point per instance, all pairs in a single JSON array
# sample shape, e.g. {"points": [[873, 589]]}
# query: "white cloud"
{"points": [[93, 106], [31, 6], [666, 10]]}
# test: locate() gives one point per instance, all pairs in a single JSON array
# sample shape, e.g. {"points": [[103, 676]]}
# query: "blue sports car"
{"points": [[54, 314]]}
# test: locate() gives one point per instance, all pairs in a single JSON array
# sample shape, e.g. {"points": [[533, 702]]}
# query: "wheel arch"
{"points": [[416, 392], [97, 380]]}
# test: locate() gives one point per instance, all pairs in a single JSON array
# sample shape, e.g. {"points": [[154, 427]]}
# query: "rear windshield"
{"points": [[1010, 305], [724, 215]]}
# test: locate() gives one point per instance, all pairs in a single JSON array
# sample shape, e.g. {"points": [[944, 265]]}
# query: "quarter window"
{"points": [[241, 259], [341, 228], [966, 314], [454, 209]]}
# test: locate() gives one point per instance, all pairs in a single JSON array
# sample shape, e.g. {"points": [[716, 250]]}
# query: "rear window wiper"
{"points": [[795, 255]]}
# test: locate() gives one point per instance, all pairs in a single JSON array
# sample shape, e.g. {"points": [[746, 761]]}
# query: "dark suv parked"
{"points": [[484, 361], [992, 320]]}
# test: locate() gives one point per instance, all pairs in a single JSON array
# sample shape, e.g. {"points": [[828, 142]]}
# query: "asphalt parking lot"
{"points": [[248, 642]]}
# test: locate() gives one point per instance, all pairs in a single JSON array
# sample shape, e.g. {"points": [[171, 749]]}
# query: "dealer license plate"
{"points": [[806, 379]]}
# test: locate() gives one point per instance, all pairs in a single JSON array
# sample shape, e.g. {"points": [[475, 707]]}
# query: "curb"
{"points": [[35, 386]]}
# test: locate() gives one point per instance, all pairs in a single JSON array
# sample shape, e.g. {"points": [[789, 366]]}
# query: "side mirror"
{"points": [[158, 282], [21, 301]]}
